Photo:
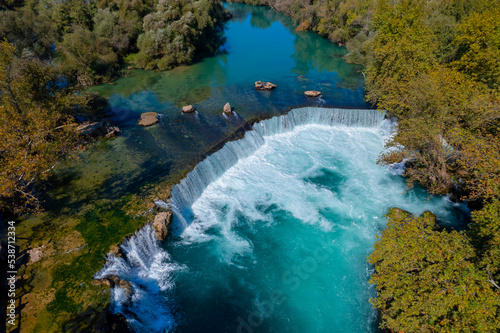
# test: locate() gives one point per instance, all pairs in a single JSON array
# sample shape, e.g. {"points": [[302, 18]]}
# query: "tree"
{"points": [[478, 42], [426, 279], [37, 126], [485, 233], [36, 37], [177, 32]]}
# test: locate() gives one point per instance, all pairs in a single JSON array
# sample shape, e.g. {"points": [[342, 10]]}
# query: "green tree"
{"points": [[36, 37], [478, 42], [426, 279], [177, 32]]}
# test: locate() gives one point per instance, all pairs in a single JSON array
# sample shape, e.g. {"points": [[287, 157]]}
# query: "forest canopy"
{"points": [[432, 64], [93, 39]]}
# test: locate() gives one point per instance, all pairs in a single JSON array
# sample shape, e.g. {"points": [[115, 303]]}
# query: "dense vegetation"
{"points": [[437, 288], [38, 108], [177, 32], [92, 39], [435, 65]]}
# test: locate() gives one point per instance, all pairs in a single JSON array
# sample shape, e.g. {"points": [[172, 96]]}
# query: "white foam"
{"points": [[311, 164], [150, 271]]}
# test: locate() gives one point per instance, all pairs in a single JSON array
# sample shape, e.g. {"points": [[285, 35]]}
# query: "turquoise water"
{"points": [[260, 45], [272, 234], [276, 241], [279, 242]]}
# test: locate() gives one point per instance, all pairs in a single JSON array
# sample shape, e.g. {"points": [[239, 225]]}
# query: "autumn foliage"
{"points": [[427, 280], [37, 126], [435, 66]]}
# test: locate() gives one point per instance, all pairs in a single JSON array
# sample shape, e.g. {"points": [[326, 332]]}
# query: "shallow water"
{"points": [[260, 45]]}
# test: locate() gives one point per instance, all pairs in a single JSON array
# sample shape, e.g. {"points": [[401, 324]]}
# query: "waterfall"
{"points": [[148, 270], [191, 187], [147, 304]]}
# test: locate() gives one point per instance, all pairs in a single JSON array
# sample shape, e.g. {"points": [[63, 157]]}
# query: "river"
{"points": [[271, 233]]}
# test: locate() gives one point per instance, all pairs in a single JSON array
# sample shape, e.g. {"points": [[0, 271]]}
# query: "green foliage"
{"points": [[101, 228], [485, 232], [90, 39], [177, 32], [35, 37], [478, 41], [427, 281]]}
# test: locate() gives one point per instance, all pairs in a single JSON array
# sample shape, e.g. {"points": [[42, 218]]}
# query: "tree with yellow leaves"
{"points": [[427, 280], [37, 126]]}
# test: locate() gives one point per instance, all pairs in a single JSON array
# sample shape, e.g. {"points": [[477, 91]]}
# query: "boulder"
{"points": [[116, 251], [114, 281], [312, 93], [162, 223], [227, 108], [188, 109], [112, 131], [148, 119], [260, 85]]}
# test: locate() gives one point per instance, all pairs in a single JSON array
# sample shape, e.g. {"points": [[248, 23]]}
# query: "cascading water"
{"points": [[274, 232], [149, 269], [190, 188]]}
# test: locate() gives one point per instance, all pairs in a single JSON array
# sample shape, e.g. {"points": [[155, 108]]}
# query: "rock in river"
{"points": [[227, 108], [312, 93], [148, 119], [105, 128], [162, 223], [188, 109], [259, 85]]}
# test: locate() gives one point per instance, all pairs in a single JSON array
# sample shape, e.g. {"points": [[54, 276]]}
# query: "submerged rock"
{"points": [[161, 224], [227, 108], [148, 119], [312, 93], [88, 128], [260, 85], [188, 109], [105, 128]]}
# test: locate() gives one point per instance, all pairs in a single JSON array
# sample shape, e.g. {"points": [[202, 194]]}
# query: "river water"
{"points": [[271, 233]]}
